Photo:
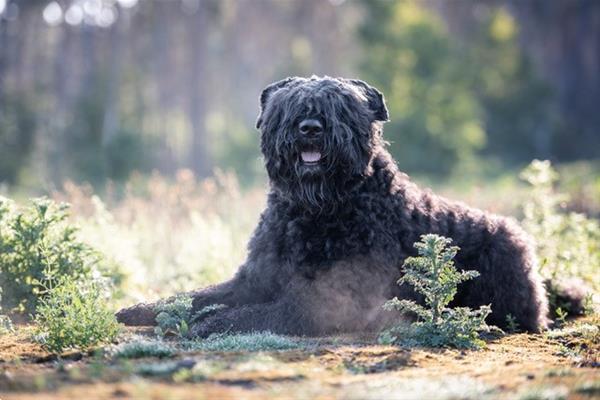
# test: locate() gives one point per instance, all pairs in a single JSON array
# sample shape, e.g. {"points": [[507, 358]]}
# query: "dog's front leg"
{"points": [[243, 288], [279, 316]]}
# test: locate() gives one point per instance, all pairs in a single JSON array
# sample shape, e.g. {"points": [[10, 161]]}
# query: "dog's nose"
{"points": [[310, 127]]}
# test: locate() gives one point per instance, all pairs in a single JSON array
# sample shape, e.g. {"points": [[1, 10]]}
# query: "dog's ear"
{"points": [[266, 94], [375, 99]]}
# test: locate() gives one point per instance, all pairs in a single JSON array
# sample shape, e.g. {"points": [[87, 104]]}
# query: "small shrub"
{"points": [[545, 393], [582, 330], [434, 275], [74, 314], [6, 325], [164, 369], [567, 243], [207, 223], [561, 316], [257, 341], [589, 388], [589, 308], [143, 348], [511, 324], [579, 341], [173, 316], [35, 239]]}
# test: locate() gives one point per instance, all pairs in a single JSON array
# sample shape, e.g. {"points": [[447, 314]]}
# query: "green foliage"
{"points": [[37, 240], [567, 243], [584, 330], [207, 223], [74, 314], [561, 316], [6, 325], [143, 348], [434, 275], [173, 316], [579, 340], [452, 96], [235, 146], [99, 157], [256, 341], [164, 369], [589, 388], [544, 393], [17, 131], [511, 324], [127, 152], [589, 308]]}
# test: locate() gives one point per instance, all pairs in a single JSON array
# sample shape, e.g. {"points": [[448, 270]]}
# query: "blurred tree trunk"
{"points": [[61, 114], [164, 79], [563, 37], [198, 158], [111, 120], [4, 58]]}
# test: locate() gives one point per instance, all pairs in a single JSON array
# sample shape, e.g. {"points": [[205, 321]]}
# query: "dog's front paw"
{"points": [[211, 325], [139, 315], [207, 312]]}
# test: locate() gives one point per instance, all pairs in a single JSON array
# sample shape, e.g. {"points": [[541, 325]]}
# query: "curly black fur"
{"points": [[329, 247]]}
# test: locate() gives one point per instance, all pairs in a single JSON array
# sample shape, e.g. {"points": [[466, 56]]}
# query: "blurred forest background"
{"points": [[134, 121], [91, 90], [140, 114]]}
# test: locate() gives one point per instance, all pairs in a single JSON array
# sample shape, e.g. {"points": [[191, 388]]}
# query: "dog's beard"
{"points": [[314, 194], [318, 184]]}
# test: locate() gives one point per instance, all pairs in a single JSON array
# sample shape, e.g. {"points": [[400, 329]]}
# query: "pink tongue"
{"points": [[311, 156]]}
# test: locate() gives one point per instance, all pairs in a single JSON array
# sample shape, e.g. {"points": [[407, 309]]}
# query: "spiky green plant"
{"points": [[567, 243], [37, 239], [6, 325], [434, 275], [254, 341], [141, 348], [74, 315], [173, 316]]}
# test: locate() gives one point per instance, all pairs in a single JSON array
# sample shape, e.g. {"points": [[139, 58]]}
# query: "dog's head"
{"points": [[319, 136]]}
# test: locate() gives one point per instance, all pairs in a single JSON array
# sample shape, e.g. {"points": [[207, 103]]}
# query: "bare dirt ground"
{"points": [[516, 366]]}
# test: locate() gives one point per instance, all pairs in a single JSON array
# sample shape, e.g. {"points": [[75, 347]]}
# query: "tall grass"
{"points": [[178, 234], [168, 235], [567, 243]]}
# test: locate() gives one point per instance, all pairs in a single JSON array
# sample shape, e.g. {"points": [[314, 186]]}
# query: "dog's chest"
{"points": [[317, 243]]}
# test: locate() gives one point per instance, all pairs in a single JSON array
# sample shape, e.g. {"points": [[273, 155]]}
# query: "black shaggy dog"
{"points": [[340, 221]]}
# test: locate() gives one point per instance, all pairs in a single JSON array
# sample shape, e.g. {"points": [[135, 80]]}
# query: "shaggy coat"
{"points": [[340, 221]]}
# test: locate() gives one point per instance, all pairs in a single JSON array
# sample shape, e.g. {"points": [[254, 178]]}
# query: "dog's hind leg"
{"points": [[509, 281]]}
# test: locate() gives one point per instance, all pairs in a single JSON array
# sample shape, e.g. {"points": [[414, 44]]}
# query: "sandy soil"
{"points": [[516, 366]]}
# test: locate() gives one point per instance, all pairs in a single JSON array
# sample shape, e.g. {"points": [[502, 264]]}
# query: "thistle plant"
{"points": [[567, 243], [434, 275], [74, 314], [173, 315], [6, 325], [37, 240]]}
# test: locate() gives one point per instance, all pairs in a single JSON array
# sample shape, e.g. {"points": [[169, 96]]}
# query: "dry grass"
{"points": [[177, 234], [507, 368], [168, 235]]}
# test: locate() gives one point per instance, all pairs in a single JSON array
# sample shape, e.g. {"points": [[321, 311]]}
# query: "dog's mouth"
{"points": [[310, 157]]}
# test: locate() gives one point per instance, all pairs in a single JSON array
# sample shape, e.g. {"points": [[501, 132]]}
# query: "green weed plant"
{"points": [[434, 275]]}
